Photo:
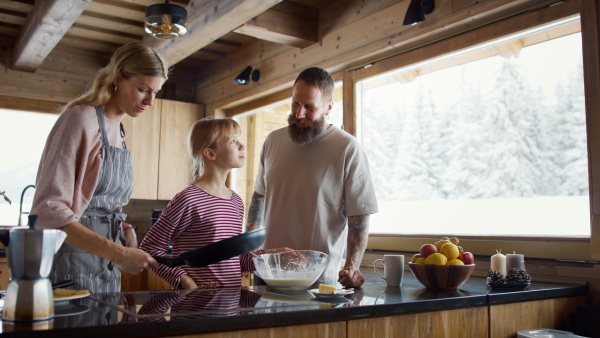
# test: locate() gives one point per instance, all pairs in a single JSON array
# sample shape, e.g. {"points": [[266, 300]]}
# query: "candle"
{"points": [[516, 261], [499, 263]]}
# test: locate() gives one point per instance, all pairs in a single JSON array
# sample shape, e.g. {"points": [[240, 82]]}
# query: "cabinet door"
{"points": [[4, 275], [175, 165], [142, 135]]}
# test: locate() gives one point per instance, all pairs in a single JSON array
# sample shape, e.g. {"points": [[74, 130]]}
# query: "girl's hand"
{"points": [[187, 283], [277, 250], [130, 236], [209, 285]]}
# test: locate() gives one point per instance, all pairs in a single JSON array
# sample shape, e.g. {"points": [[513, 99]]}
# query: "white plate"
{"points": [[63, 300], [69, 309], [339, 293]]}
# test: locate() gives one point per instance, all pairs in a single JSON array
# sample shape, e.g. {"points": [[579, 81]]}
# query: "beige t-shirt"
{"points": [[70, 165], [310, 190]]}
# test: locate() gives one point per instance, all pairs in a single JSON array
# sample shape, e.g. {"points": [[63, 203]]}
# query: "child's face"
{"points": [[230, 152]]}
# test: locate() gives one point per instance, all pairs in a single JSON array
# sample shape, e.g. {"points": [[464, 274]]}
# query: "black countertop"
{"points": [[202, 311]]}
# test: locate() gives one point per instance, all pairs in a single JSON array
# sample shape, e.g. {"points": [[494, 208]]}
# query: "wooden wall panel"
{"points": [[470, 322]]}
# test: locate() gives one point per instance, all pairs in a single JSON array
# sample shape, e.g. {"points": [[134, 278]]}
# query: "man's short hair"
{"points": [[319, 78]]}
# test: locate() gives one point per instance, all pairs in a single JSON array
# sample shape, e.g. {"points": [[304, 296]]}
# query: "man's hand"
{"points": [[351, 277], [255, 210]]}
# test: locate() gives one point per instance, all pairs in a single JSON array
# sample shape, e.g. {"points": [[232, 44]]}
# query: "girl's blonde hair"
{"points": [[205, 133], [135, 58]]}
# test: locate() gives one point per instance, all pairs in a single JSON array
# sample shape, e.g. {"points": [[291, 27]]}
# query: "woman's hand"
{"points": [[130, 235], [133, 261]]}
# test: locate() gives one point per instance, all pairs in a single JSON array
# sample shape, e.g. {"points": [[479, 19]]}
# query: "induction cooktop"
{"points": [[172, 305]]}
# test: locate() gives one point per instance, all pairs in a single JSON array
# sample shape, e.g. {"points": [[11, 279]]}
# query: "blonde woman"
{"points": [[206, 211], [85, 174]]}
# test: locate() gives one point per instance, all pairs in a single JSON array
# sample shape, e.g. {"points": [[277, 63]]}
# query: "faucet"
{"points": [[21, 204]]}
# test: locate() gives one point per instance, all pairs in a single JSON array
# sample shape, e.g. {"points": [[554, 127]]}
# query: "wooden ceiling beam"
{"points": [[86, 33], [45, 26], [125, 26], [117, 10], [15, 6], [147, 3], [208, 20], [12, 19], [287, 23]]}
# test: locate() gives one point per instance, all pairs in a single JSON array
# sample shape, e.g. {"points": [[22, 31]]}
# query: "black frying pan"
{"points": [[217, 251]]}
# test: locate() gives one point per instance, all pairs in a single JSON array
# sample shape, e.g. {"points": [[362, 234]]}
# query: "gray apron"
{"points": [[103, 216]]}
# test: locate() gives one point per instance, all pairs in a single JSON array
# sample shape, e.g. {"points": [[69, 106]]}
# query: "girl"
{"points": [[206, 211], [85, 174]]}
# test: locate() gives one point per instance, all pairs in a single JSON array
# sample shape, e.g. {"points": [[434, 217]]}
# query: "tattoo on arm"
{"points": [[255, 210], [358, 234]]}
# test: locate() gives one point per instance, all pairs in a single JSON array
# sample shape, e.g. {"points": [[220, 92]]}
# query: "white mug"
{"points": [[393, 269]]}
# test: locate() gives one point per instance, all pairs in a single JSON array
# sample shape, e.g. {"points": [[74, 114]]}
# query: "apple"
{"points": [[427, 249], [467, 258]]}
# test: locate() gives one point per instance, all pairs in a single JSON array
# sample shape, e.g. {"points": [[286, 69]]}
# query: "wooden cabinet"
{"points": [[175, 165], [508, 319], [4, 275], [142, 135], [158, 143], [144, 281], [469, 322]]}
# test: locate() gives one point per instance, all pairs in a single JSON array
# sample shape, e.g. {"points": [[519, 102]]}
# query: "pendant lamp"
{"points": [[166, 21]]}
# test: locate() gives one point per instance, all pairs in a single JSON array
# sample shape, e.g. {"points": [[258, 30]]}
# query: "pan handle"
{"points": [[170, 262], [63, 284]]}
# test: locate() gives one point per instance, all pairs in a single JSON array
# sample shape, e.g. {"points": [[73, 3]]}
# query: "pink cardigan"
{"points": [[69, 167]]}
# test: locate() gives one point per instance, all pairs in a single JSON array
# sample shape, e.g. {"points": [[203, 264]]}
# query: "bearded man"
{"points": [[313, 189]]}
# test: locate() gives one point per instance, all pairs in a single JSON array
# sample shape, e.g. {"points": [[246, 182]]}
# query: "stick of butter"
{"points": [[324, 288]]}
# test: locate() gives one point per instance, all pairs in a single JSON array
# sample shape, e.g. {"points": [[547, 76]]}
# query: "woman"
{"points": [[85, 174]]}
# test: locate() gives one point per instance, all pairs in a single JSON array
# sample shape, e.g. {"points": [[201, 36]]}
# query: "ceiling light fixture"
{"points": [[166, 21], [417, 10], [245, 75]]}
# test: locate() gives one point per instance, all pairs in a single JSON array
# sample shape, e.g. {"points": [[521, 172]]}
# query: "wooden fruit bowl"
{"points": [[445, 277]]}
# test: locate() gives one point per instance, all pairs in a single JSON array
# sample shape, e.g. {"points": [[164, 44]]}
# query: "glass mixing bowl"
{"points": [[291, 270]]}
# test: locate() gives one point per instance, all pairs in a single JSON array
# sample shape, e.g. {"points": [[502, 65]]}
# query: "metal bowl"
{"points": [[291, 270]]}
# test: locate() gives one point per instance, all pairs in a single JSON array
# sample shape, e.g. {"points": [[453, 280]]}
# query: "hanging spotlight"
{"points": [[166, 21], [245, 75], [417, 10]]}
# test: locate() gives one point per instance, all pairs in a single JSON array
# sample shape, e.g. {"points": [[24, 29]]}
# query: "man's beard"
{"points": [[304, 131]]}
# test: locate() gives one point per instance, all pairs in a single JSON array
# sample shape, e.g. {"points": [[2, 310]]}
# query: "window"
{"points": [[485, 141], [23, 138]]}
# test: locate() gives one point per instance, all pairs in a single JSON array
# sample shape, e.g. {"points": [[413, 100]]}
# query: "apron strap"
{"points": [[100, 115]]}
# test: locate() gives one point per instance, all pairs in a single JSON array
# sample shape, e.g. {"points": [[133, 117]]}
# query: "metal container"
{"points": [[30, 254]]}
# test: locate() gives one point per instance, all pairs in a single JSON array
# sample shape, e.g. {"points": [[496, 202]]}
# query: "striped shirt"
{"points": [[194, 218]]}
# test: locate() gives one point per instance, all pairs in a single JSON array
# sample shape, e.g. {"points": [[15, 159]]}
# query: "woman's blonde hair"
{"points": [[135, 58], [205, 133]]}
